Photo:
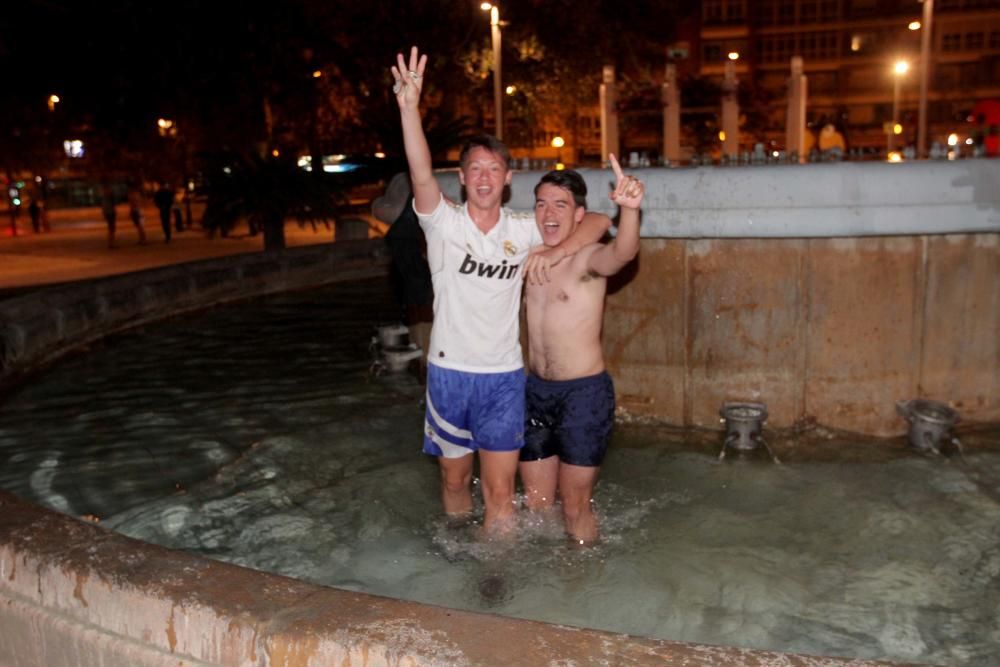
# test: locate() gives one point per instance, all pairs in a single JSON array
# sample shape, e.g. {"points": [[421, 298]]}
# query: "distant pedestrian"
{"points": [[37, 214], [408, 249], [178, 214], [135, 213], [108, 209], [164, 200]]}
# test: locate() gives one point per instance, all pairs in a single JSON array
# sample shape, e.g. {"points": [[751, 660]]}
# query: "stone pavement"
{"points": [[76, 247]]}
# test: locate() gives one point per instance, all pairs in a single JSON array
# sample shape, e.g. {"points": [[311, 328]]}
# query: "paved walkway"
{"points": [[76, 247]]}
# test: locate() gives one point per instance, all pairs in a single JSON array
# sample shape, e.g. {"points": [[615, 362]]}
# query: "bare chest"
{"points": [[566, 290]]}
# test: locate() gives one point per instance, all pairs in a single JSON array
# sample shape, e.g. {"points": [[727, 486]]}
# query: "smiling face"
{"points": [[556, 213], [484, 175]]}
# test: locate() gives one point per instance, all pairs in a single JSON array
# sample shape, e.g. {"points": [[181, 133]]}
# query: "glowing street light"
{"points": [[558, 142], [166, 127], [53, 101], [734, 55], [497, 88], [913, 25]]}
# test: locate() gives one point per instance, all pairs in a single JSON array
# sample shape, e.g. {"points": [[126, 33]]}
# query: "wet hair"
{"points": [[490, 143], [568, 180]]}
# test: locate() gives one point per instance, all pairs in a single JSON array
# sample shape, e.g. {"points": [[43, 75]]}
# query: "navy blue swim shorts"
{"points": [[571, 419]]}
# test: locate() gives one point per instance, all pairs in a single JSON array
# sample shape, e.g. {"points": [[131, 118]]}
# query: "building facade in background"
{"points": [[849, 48]]}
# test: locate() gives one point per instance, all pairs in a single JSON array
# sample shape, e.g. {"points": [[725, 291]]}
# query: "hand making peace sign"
{"points": [[408, 78]]}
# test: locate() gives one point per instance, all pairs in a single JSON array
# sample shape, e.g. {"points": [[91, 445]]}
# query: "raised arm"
{"points": [[609, 260], [408, 78]]}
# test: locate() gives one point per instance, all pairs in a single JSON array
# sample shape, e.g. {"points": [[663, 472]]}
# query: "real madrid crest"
{"points": [[509, 249]]}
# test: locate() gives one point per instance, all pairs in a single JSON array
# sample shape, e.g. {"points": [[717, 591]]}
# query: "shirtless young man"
{"points": [[475, 376], [570, 403]]}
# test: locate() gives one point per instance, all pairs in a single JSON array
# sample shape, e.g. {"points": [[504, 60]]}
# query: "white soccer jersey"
{"points": [[477, 287]]}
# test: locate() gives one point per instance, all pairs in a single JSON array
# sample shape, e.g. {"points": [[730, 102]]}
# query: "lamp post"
{"points": [[898, 70], [925, 66], [497, 88]]}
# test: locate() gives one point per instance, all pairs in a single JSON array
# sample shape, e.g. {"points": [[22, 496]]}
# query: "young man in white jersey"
{"points": [[570, 403], [475, 378]]}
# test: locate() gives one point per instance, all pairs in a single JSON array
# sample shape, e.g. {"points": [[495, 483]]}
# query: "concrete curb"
{"points": [[73, 594]]}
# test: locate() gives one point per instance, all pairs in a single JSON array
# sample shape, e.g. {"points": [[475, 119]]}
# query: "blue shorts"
{"points": [[571, 419], [471, 411]]}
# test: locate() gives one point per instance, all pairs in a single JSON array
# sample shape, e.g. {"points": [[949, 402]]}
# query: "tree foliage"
{"points": [[235, 75], [265, 191]]}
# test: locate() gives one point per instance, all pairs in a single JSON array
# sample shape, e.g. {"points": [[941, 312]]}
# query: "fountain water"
{"points": [[744, 422]]}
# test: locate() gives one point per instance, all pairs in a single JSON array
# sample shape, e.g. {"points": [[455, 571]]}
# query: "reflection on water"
{"points": [[254, 434]]}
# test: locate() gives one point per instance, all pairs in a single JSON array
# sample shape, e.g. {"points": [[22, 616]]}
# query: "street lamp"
{"points": [[925, 65], [166, 127], [899, 69], [497, 89], [53, 101], [558, 142]]}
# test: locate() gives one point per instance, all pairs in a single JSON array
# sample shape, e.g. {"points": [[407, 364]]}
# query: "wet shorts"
{"points": [[571, 419], [471, 411]]}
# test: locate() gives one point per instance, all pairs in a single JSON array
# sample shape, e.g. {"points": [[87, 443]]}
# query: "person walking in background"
{"points": [[179, 196], [39, 220], [135, 213], [164, 200], [109, 212], [408, 248]]}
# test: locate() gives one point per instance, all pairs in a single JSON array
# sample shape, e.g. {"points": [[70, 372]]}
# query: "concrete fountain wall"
{"points": [[826, 290]]}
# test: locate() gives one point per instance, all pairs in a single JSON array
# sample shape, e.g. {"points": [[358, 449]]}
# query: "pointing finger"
{"points": [[617, 168]]}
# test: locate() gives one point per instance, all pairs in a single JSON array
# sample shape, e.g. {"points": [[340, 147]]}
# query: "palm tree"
{"points": [[266, 191]]}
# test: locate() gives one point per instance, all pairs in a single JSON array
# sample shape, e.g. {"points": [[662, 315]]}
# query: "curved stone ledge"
{"points": [[827, 291], [844, 199], [73, 594], [43, 325]]}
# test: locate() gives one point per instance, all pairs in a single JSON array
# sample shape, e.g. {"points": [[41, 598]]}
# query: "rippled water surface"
{"points": [[255, 434]]}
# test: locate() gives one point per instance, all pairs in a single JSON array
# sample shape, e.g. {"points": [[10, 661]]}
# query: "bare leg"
{"points": [[456, 484], [497, 471], [576, 486], [539, 479]]}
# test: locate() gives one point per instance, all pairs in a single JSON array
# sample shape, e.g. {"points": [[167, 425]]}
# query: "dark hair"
{"points": [[490, 143], [569, 180]]}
